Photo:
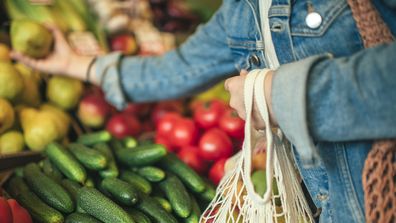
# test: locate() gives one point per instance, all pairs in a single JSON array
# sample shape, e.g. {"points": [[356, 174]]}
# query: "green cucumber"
{"points": [[177, 195], [164, 203], [47, 189], [137, 181], [51, 170], [91, 159], [72, 187], [189, 177], [138, 216], [120, 190], [93, 138], [209, 193], [81, 218], [129, 142], [16, 186], [101, 207], [111, 170], [195, 213], [66, 162], [141, 155], [39, 210], [90, 182], [150, 207], [151, 173]]}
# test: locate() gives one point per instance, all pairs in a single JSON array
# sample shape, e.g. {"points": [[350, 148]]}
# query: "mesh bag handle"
{"points": [[379, 172]]}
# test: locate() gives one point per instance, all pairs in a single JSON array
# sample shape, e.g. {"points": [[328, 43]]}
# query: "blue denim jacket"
{"points": [[330, 97]]}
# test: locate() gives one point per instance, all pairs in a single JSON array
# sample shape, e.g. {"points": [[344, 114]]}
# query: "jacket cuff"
{"points": [[107, 72], [289, 95]]}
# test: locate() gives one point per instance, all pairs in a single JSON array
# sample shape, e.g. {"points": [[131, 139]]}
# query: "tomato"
{"points": [[166, 123], [207, 115], [184, 133], [216, 172], [164, 107], [138, 109], [159, 139], [5, 211], [122, 125], [232, 124], [20, 214], [190, 156], [214, 145]]}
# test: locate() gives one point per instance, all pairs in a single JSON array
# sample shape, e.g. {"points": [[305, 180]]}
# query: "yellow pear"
{"points": [[11, 142], [28, 72], [7, 115], [30, 94], [61, 118], [11, 82], [4, 52], [64, 92]]}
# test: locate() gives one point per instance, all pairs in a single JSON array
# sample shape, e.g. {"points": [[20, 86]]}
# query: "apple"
{"points": [[122, 124], [124, 43], [93, 111]]}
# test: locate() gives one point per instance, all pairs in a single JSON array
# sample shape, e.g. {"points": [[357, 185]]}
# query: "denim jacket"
{"points": [[331, 97]]}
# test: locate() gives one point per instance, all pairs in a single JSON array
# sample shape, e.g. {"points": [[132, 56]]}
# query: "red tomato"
{"points": [[207, 115], [216, 172], [138, 109], [184, 133], [122, 125], [159, 139], [166, 123], [20, 214], [214, 145], [232, 124], [164, 107], [190, 156], [5, 211]]}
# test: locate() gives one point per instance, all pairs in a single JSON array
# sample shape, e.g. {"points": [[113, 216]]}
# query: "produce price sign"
{"points": [[84, 43], [41, 2]]}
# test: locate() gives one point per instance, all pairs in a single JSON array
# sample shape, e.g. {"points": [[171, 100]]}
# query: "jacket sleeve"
{"points": [[337, 99], [197, 64]]}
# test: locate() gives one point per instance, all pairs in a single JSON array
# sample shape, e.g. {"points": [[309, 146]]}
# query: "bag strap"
{"points": [[372, 27]]}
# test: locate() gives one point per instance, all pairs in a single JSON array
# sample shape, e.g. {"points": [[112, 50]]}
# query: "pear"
{"points": [[11, 82], [4, 53], [64, 92], [30, 94], [61, 118], [11, 142], [28, 72], [7, 115], [39, 128], [31, 38]]}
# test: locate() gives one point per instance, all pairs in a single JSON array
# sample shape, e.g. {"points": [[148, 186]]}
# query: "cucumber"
{"points": [[93, 138], [81, 218], [151, 173], [16, 186], [91, 159], [122, 191], [47, 189], [164, 203], [129, 142], [72, 187], [65, 162], [111, 170], [177, 195], [137, 181], [117, 145], [138, 216], [187, 175], [101, 207], [150, 207], [89, 182], [141, 155], [39, 210], [208, 194], [51, 170], [195, 213]]}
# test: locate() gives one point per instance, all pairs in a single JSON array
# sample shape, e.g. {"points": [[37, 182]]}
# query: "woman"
{"points": [[329, 107]]}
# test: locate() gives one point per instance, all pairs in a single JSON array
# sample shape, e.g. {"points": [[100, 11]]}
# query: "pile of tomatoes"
{"points": [[204, 140]]}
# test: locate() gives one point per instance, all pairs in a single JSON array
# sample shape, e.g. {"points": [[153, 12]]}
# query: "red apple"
{"points": [[121, 125], [93, 111], [124, 43]]}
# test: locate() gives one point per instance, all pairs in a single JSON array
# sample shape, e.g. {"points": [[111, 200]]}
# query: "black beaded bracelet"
{"points": [[87, 75]]}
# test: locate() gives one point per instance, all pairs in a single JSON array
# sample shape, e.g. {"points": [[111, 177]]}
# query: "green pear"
{"points": [[31, 38], [7, 115], [30, 94], [28, 72], [11, 82], [39, 128], [64, 92], [11, 142], [61, 118]]}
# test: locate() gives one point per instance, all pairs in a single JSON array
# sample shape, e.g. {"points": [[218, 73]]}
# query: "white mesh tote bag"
{"points": [[236, 200]]}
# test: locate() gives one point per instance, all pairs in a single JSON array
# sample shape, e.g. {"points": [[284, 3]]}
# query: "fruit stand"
{"points": [[67, 155]]}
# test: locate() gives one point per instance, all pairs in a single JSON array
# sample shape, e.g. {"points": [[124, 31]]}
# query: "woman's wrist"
{"points": [[267, 94], [78, 68]]}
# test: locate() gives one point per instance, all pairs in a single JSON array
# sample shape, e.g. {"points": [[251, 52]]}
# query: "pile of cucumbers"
{"points": [[100, 179]]}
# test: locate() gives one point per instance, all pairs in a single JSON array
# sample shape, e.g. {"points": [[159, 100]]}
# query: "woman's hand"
{"points": [[62, 61], [235, 86]]}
